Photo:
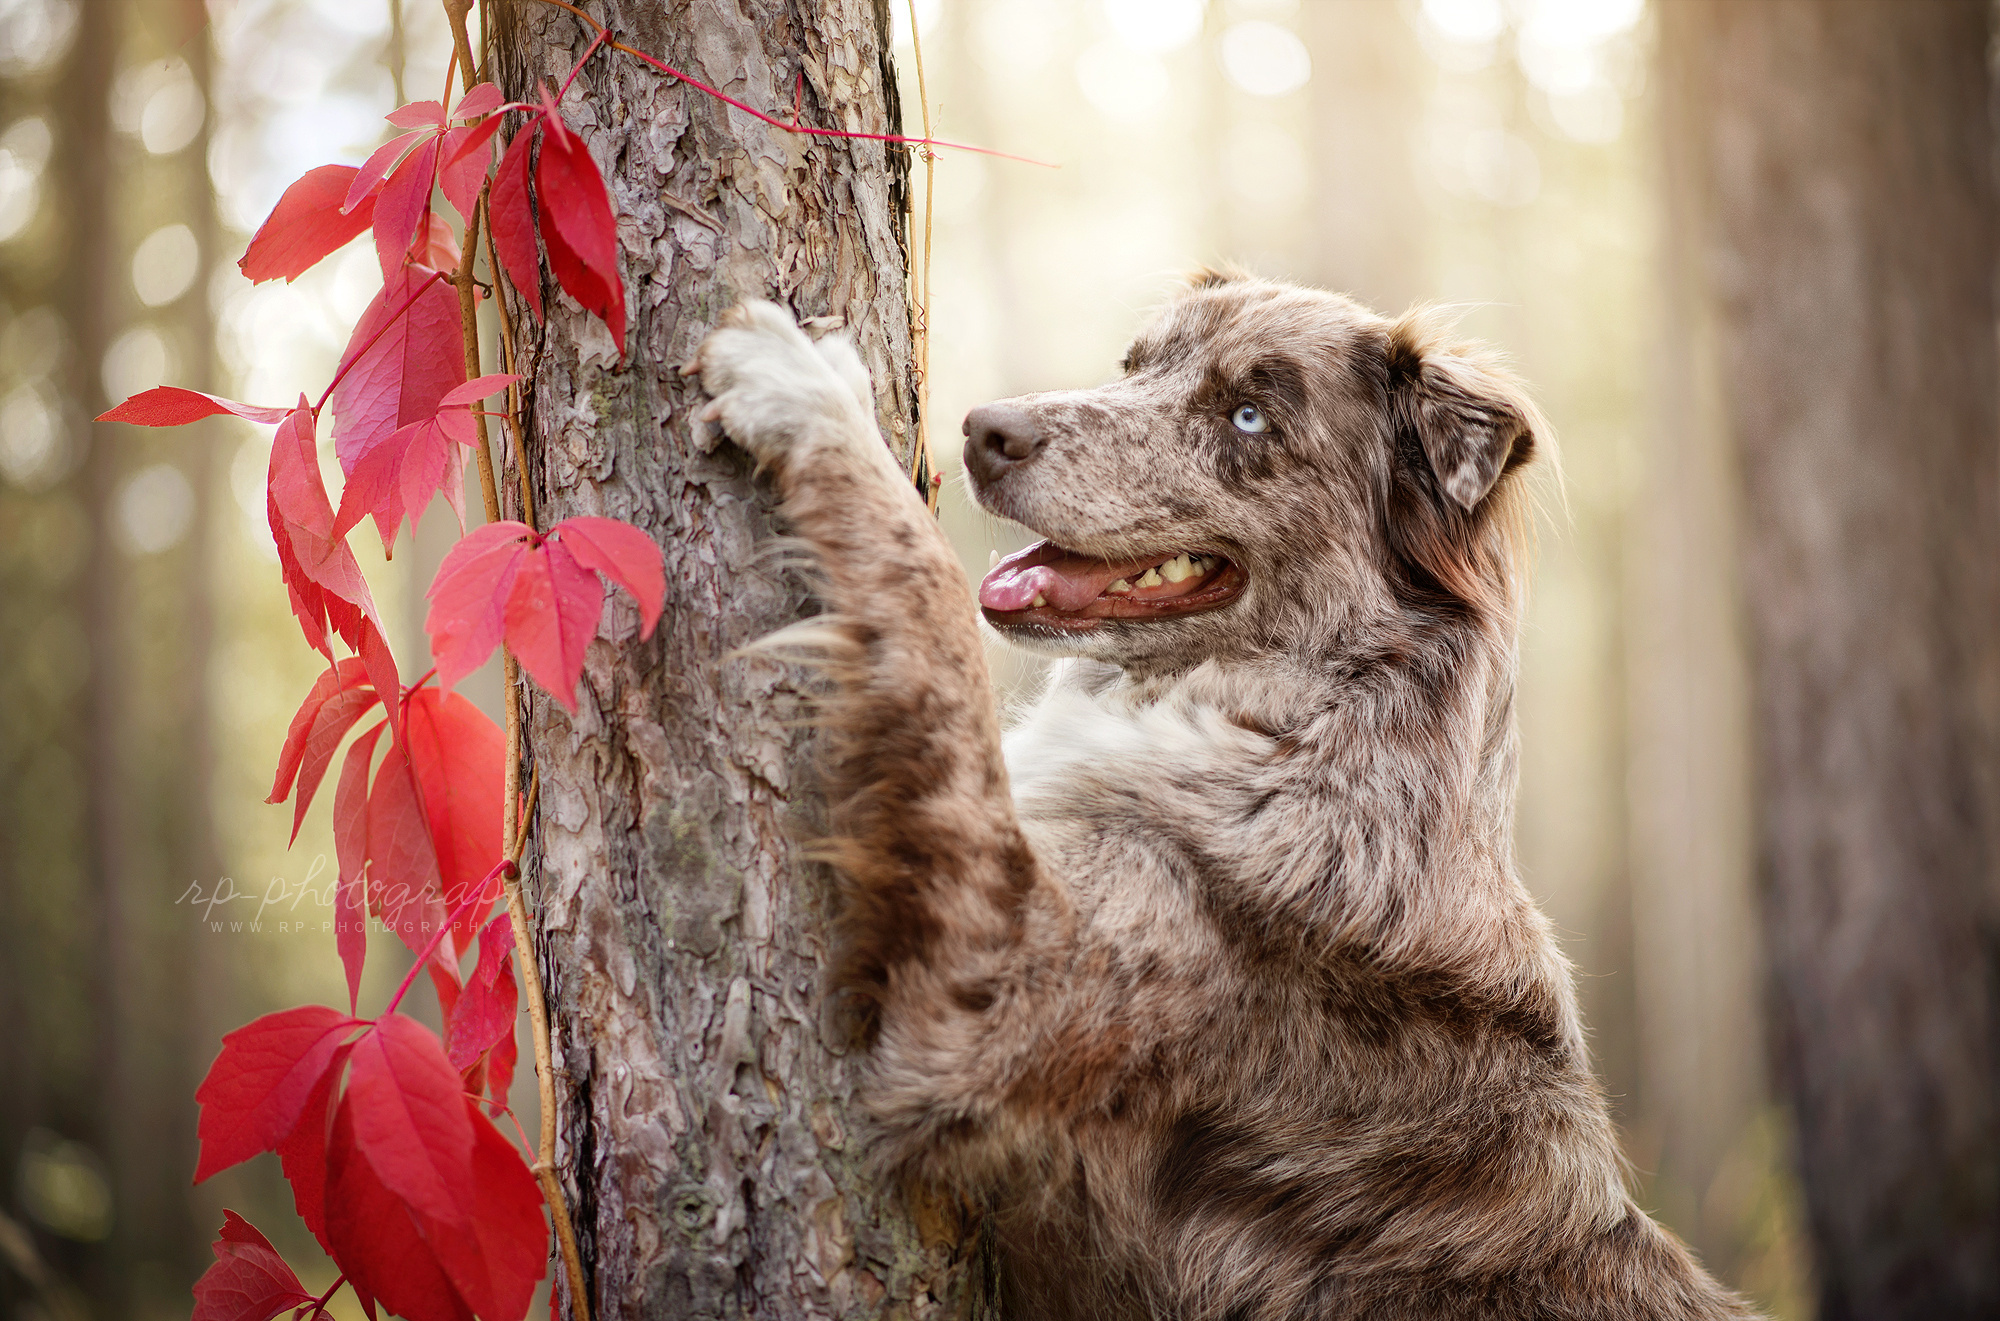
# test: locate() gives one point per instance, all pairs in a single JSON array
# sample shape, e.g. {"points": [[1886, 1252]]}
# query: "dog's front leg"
{"points": [[951, 924]]}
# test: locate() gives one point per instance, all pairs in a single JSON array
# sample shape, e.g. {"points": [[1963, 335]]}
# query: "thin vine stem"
{"points": [[924, 460], [775, 122]]}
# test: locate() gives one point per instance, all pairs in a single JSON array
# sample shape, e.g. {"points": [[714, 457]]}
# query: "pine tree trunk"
{"points": [[710, 1133], [1838, 162]]}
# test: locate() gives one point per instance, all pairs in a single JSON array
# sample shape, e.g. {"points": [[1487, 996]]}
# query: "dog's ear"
{"points": [[1208, 277], [1470, 416]]}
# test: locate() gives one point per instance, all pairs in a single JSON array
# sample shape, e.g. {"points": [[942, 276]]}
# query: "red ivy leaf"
{"points": [[402, 864], [302, 1154], [503, 581], [350, 847], [500, 1063], [320, 573], [436, 245], [259, 1084], [460, 757], [485, 1013], [377, 168], [249, 1280], [309, 222], [394, 477], [582, 235], [334, 679], [375, 1239], [403, 358], [410, 1121], [551, 615], [479, 99], [418, 114], [511, 213], [468, 598], [511, 1236], [624, 554], [466, 160], [171, 406], [335, 719], [405, 201]]}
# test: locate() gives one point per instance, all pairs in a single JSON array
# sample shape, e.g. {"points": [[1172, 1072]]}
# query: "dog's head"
{"points": [[1274, 462]]}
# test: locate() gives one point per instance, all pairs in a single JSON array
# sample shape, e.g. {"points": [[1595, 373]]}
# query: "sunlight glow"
{"points": [[1264, 59], [1157, 26], [1473, 22], [155, 508]]}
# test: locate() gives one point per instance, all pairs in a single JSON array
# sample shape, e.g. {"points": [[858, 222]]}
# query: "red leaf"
{"points": [[320, 572], [504, 582], [576, 279], [335, 719], [410, 1121], [395, 476], [350, 847], [551, 615], [510, 1236], [249, 1280], [573, 198], [402, 865], [468, 598], [334, 679], [436, 245], [479, 99], [378, 167], [302, 1154], [511, 214], [500, 1063], [485, 1013], [480, 387], [460, 757], [376, 1241], [171, 406], [381, 663], [259, 1084], [622, 553], [308, 223], [418, 114], [466, 158], [405, 201], [397, 368]]}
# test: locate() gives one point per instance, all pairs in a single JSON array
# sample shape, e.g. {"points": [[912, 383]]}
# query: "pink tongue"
{"points": [[1063, 580]]}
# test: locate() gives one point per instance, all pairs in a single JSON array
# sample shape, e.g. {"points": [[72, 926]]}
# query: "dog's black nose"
{"points": [[999, 436]]}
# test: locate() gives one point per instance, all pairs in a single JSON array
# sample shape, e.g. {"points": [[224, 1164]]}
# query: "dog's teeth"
{"points": [[1177, 569], [1151, 578], [992, 559], [1039, 601], [1122, 585]]}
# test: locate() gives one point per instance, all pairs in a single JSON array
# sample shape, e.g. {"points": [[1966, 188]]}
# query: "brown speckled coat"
{"points": [[1214, 976]]}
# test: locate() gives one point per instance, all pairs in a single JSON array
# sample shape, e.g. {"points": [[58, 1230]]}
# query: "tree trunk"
{"points": [[706, 1088], [1838, 164]]}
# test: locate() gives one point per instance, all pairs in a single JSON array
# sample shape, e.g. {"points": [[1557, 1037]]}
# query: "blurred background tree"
{"points": [[1744, 250]]}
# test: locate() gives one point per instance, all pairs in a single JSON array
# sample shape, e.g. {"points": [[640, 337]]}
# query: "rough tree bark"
{"points": [[710, 1137], [1836, 165]]}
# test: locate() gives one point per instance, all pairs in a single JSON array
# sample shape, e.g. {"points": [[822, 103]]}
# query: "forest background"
{"points": [[1502, 157]]}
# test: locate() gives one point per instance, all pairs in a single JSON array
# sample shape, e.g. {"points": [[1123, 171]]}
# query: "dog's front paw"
{"points": [[774, 391]]}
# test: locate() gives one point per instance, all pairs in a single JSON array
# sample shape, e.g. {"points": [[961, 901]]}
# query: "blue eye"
{"points": [[1248, 417]]}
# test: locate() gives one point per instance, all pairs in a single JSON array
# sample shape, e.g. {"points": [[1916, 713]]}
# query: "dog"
{"points": [[1213, 977]]}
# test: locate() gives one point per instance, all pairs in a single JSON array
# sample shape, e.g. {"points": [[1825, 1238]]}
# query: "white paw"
{"points": [[774, 391]]}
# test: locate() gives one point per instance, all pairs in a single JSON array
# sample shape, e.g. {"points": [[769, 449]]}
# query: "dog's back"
{"points": [[1220, 985]]}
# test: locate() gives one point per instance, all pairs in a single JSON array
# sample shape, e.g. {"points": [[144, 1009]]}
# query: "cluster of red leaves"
{"points": [[426, 1208], [424, 1205]]}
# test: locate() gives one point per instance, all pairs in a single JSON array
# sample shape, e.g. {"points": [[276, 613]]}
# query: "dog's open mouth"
{"points": [[1049, 585]]}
